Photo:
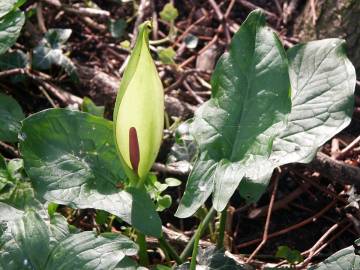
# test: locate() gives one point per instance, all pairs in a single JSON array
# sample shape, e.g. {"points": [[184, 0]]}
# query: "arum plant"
{"points": [[139, 112], [139, 117]]}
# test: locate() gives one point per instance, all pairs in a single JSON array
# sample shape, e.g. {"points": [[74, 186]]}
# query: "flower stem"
{"points": [[186, 252], [196, 246], [170, 250], [220, 240], [143, 256]]}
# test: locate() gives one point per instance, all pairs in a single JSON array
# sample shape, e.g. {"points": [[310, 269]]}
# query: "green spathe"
{"points": [[139, 110]]}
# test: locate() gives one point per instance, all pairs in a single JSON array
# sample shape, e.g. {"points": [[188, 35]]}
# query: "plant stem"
{"points": [[186, 252], [144, 259], [172, 253], [220, 240], [196, 247]]}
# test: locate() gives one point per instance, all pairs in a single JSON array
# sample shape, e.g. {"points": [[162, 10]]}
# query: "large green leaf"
{"points": [[26, 244], [6, 6], [236, 127], [10, 116], [323, 83], [71, 159], [8, 213], [23, 241], [345, 259], [86, 251], [10, 27]]}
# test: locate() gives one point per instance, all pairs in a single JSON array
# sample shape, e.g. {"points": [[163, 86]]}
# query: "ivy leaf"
{"points": [[169, 13], [14, 59], [10, 27], [235, 129], [50, 52], [71, 159], [11, 115], [323, 83], [167, 56], [292, 256]]}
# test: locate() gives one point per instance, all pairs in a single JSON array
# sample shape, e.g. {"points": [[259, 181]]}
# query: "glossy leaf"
{"points": [[7, 6], [323, 83], [128, 264], [23, 241], [10, 27], [345, 259], [10, 116], [87, 251], [71, 159], [27, 244], [8, 213], [235, 129]]}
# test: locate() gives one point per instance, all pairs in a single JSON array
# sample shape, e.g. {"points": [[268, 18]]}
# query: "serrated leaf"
{"points": [[10, 116], [236, 127], [10, 27], [345, 259], [323, 83], [71, 159]]}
